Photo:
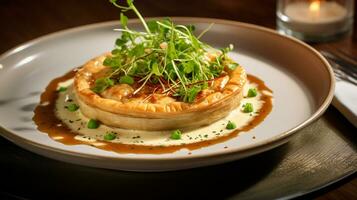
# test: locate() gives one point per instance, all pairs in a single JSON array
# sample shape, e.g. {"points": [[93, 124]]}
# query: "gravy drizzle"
{"points": [[47, 122]]}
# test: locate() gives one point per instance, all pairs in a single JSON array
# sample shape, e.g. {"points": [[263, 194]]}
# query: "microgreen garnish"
{"points": [[232, 66], [176, 135], [231, 125], [102, 83], [248, 108], [93, 124], [165, 54], [72, 107], [252, 92], [110, 136], [126, 79]]}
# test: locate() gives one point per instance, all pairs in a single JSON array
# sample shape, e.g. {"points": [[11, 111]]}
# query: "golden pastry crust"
{"points": [[134, 113]]}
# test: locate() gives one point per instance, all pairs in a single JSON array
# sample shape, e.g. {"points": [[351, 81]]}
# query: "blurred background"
{"points": [[25, 20]]}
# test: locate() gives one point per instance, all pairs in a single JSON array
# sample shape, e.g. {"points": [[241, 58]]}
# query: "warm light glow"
{"points": [[26, 60], [57, 137], [315, 6], [99, 144]]}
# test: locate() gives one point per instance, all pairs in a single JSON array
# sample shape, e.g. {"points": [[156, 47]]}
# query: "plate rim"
{"points": [[262, 145]]}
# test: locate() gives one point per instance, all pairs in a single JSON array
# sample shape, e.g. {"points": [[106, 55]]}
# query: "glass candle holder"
{"points": [[315, 20]]}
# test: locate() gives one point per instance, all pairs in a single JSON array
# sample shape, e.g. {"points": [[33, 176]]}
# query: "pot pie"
{"points": [[159, 79], [149, 109]]}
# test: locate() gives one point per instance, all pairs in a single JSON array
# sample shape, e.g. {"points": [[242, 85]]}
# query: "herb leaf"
{"points": [[101, 84], [191, 94], [72, 107], [155, 69], [252, 92], [231, 125], [137, 51], [111, 62], [232, 66], [120, 42], [62, 89], [153, 26], [123, 20], [248, 108], [126, 79]]}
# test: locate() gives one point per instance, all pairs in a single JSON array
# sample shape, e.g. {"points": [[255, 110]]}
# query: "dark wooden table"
{"points": [[25, 20]]}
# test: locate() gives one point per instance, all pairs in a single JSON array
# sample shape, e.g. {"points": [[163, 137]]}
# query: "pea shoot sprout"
{"points": [[166, 57]]}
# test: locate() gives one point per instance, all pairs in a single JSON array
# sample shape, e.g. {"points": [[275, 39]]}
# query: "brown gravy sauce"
{"points": [[47, 121]]}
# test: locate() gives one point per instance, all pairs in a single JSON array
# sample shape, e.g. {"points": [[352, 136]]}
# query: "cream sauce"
{"points": [[71, 127], [77, 122]]}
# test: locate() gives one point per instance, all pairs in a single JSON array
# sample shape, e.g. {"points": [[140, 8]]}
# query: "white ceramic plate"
{"points": [[301, 79]]}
